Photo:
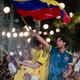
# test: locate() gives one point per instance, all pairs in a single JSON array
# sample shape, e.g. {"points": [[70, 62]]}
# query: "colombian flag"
{"points": [[40, 9]]}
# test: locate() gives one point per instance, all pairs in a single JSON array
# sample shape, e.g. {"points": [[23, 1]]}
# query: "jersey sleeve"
{"points": [[70, 59], [42, 59]]}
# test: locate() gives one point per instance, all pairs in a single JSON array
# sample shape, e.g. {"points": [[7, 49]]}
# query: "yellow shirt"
{"points": [[23, 69], [42, 71], [36, 55]]}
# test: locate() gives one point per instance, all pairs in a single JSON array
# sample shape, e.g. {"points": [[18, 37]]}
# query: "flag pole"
{"points": [[37, 24], [25, 22]]}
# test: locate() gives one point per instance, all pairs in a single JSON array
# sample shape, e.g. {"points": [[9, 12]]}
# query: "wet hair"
{"points": [[64, 38]]}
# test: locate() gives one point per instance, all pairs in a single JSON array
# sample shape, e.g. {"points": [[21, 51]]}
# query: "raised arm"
{"points": [[41, 40]]}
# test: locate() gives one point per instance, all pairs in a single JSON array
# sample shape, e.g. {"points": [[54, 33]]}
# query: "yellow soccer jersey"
{"points": [[36, 55], [23, 69], [42, 71]]}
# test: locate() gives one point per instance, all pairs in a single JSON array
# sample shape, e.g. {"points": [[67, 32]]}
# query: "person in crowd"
{"points": [[8, 76], [11, 65], [40, 62], [5, 61], [75, 59], [77, 69], [4, 74], [59, 67], [24, 71], [2, 71]]}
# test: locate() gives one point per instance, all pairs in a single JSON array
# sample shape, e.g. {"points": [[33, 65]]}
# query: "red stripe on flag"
{"points": [[41, 14]]}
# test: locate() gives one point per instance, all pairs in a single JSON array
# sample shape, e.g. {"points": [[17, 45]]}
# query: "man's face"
{"points": [[60, 43]]}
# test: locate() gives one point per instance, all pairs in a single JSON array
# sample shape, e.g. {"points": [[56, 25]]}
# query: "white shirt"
{"points": [[12, 68], [77, 66]]}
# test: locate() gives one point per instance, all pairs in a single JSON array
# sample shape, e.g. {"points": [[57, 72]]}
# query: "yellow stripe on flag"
{"points": [[53, 2]]}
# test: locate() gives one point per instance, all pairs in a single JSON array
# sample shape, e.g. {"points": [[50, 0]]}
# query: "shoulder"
{"points": [[69, 54], [53, 50], [70, 58], [39, 51]]}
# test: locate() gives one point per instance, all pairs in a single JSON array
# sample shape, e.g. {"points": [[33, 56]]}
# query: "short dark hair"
{"points": [[34, 42], [64, 38]]}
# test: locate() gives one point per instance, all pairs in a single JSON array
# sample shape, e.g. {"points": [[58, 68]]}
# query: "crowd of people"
{"points": [[42, 62], [4, 71]]}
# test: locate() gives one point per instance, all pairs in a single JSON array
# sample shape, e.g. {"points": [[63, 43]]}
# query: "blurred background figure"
{"points": [[77, 69], [11, 65], [24, 72]]}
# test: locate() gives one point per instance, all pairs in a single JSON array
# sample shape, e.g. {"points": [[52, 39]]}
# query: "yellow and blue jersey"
{"points": [[58, 63]]}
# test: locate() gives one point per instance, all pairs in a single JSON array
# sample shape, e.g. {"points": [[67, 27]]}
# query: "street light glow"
{"points": [[6, 9]]}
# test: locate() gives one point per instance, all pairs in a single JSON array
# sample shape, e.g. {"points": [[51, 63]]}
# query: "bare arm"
{"points": [[67, 74], [74, 61], [69, 69], [40, 39], [32, 65]]}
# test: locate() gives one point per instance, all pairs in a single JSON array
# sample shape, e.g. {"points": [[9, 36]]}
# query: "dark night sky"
{"points": [[71, 5]]}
